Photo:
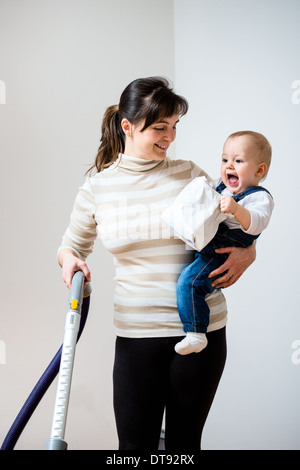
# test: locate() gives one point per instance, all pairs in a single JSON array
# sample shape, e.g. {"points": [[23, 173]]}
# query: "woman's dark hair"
{"points": [[151, 99]]}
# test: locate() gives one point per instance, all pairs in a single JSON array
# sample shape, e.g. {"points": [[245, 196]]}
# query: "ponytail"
{"points": [[112, 140]]}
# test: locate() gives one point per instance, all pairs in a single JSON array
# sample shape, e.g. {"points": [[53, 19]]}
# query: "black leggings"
{"points": [[149, 376]]}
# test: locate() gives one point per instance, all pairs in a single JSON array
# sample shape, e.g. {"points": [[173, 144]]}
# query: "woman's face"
{"points": [[153, 142]]}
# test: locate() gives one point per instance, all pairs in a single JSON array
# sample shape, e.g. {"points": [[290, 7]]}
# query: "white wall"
{"points": [[237, 63], [62, 62]]}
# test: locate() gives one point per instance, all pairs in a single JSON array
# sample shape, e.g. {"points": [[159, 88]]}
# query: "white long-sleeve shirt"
{"points": [[260, 205], [122, 205]]}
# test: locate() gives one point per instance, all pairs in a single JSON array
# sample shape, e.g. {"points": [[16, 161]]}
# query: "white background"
{"points": [[236, 62], [63, 62]]}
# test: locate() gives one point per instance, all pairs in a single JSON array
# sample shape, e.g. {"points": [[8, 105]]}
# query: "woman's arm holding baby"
{"points": [[239, 259]]}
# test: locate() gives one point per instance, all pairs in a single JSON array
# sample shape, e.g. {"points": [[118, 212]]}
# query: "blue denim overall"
{"points": [[194, 284]]}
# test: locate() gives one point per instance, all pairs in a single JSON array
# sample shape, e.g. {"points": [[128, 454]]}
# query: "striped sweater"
{"points": [[122, 206]]}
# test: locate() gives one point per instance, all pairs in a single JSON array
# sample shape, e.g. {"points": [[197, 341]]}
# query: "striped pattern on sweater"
{"points": [[122, 206]]}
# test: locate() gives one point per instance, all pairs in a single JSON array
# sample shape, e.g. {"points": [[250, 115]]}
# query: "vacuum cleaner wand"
{"points": [[56, 441], [78, 307]]}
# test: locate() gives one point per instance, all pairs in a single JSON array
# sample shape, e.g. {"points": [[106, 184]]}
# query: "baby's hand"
{"points": [[228, 204]]}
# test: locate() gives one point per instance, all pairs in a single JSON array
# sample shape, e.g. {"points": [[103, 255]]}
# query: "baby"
{"points": [[245, 163]]}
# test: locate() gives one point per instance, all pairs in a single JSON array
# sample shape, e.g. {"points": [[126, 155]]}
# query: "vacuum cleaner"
{"points": [[62, 364]]}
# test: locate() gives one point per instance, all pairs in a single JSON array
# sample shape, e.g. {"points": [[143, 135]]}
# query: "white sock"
{"points": [[193, 342]]}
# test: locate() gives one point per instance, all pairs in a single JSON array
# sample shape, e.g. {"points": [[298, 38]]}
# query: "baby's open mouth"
{"points": [[233, 180]]}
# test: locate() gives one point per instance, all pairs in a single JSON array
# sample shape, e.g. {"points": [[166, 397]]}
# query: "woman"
{"points": [[122, 204]]}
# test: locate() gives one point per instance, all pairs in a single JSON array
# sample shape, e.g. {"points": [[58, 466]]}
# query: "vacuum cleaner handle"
{"points": [[56, 441], [50, 373]]}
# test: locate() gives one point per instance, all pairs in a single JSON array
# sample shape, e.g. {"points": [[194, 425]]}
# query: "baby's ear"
{"points": [[261, 170]]}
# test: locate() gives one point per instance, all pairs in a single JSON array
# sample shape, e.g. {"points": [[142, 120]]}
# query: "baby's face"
{"points": [[240, 164]]}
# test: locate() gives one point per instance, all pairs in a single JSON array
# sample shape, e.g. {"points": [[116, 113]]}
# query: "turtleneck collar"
{"points": [[137, 164]]}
